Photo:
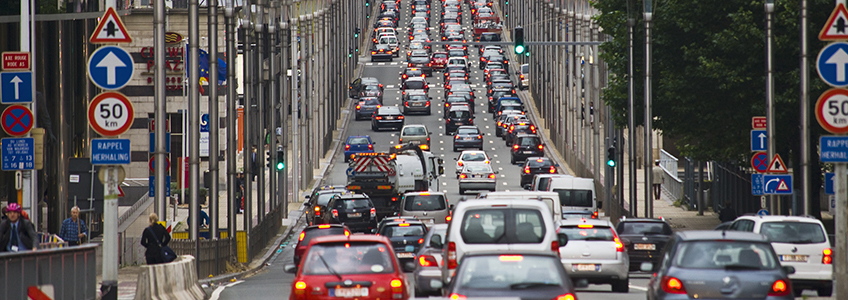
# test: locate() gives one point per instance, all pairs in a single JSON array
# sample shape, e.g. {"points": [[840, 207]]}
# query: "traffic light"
{"points": [[611, 157], [349, 52], [281, 160], [356, 33], [518, 39]]}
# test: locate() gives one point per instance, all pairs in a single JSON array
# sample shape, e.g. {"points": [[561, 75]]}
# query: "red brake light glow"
{"points": [[511, 258], [492, 176], [452, 257], [526, 170], [779, 288], [456, 296], [324, 226], [826, 256], [585, 226], [672, 285], [302, 235], [565, 297]]}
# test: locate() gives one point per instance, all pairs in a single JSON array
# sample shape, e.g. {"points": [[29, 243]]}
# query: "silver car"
{"points": [[429, 207], [477, 176], [594, 253], [428, 262]]}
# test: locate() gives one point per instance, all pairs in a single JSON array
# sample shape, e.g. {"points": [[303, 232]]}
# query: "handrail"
{"points": [[143, 201]]}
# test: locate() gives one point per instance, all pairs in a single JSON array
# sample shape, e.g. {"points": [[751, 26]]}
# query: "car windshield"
{"points": [[644, 228], [456, 53], [417, 98], [474, 157], [424, 203], [467, 131], [459, 114], [358, 141], [404, 229], [793, 232], [440, 55], [525, 69], [324, 198], [540, 163], [511, 272], [355, 203], [316, 232], [475, 168], [721, 254], [419, 59], [370, 101], [581, 198], [529, 141], [413, 72], [372, 88], [415, 130], [589, 233], [416, 85], [348, 258]]}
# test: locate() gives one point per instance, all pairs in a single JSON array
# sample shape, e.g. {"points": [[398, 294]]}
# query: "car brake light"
{"points": [[427, 261], [463, 176], [492, 176], [619, 247], [672, 285], [779, 288], [526, 170], [324, 226], [302, 235], [456, 137], [427, 104], [595, 215], [373, 212], [455, 296], [565, 297], [555, 247], [400, 118], [553, 170], [335, 213], [541, 147], [347, 147], [522, 76], [378, 106], [459, 164], [826, 256], [317, 211], [451, 255], [378, 118], [515, 147], [447, 219], [370, 147], [357, 107], [510, 127]]}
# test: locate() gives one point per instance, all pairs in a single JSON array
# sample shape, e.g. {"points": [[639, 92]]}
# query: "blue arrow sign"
{"points": [[762, 212], [756, 184], [834, 148], [831, 64], [759, 140], [777, 184], [350, 172], [16, 87], [829, 182], [151, 192], [110, 67], [110, 151], [18, 154]]}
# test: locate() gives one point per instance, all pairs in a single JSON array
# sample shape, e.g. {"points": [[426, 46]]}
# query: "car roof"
{"points": [[417, 79], [772, 218], [405, 221], [510, 252], [420, 193], [351, 195], [316, 226], [388, 109], [350, 238], [695, 235], [642, 220], [590, 221], [467, 127]]}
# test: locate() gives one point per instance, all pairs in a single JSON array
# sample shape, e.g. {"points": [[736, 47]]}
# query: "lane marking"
{"points": [[644, 289], [217, 293]]}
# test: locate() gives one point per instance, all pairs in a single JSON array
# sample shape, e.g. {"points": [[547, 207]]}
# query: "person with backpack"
{"points": [[154, 238]]}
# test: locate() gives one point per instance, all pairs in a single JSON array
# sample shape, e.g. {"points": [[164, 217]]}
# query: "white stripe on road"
{"points": [[644, 289], [217, 293]]}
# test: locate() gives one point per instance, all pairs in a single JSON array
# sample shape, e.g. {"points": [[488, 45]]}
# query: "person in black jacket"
{"points": [[727, 213], [149, 237], [16, 232]]}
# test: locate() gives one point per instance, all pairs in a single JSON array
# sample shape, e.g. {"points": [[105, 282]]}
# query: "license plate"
{"points": [[354, 215], [406, 255], [418, 104], [349, 292], [586, 267], [794, 258], [469, 138], [645, 247], [528, 152], [390, 118], [458, 123]]}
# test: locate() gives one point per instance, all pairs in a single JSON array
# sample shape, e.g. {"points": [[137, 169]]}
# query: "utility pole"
{"points": [[804, 70], [232, 111], [194, 124], [248, 154], [160, 112], [649, 117]]}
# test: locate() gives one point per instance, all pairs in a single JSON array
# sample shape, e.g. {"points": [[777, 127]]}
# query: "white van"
{"points": [[550, 198], [497, 224], [575, 193], [456, 60], [541, 182], [392, 41]]}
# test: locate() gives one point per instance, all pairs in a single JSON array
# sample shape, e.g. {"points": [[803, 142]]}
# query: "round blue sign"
{"points": [[762, 212], [110, 67], [832, 64]]}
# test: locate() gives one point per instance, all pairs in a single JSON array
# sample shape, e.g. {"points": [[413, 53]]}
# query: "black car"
{"points": [[518, 129], [458, 116], [467, 137], [316, 203], [505, 119], [644, 240], [366, 107], [536, 165], [410, 73], [387, 117], [497, 95], [358, 85], [406, 237], [526, 145], [421, 62], [381, 51], [415, 83], [500, 85], [353, 210], [450, 101], [416, 101]]}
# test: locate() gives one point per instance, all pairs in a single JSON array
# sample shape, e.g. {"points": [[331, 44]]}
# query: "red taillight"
{"points": [[455, 296], [427, 261], [370, 147], [541, 147], [400, 118], [378, 118], [515, 147], [619, 247], [447, 219], [780, 288], [463, 176], [553, 170], [526, 170], [357, 107], [451, 255], [522, 76], [317, 211], [302, 235], [405, 103], [480, 136], [512, 127], [565, 297], [427, 104], [335, 213], [420, 241], [492, 176], [373, 212], [672, 285], [826, 256], [300, 285], [595, 215], [373, 52], [347, 147], [459, 164]]}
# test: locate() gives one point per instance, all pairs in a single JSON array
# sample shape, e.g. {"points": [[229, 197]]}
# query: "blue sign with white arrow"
{"points": [[829, 182], [831, 64], [110, 67], [777, 184], [16, 87], [759, 140]]}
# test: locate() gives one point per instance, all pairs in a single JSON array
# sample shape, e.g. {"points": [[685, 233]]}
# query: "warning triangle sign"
{"points": [[782, 186], [836, 27], [120, 192], [110, 29], [777, 165]]}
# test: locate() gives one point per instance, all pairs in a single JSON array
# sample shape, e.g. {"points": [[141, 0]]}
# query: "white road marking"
{"points": [[441, 142], [644, 289], [217, 293], [487, 126], [504, 183], [495, 154], [443, 149], [444, 183]]}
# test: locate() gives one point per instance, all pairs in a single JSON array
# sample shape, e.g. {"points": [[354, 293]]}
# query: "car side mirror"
{"points": [[788, 269], [441, 170], [526, 187], [647, 267], [436, 241], [409, 267], [290, 268], [450, 207], [562, 239]]}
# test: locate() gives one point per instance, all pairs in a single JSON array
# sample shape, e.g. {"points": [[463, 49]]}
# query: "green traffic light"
{"points": [[519, 49], [280, 165], [527, 54], [611, 163]]}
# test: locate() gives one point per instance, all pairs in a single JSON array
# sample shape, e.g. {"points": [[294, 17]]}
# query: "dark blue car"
{"points": [[357, 144]]}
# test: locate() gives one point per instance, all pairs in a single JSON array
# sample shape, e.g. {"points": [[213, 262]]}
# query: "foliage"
{"points": [[13, 7]]}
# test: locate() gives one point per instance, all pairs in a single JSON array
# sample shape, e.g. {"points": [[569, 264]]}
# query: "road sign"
{"points": [[152, 184], [350, 172], [152, 142], [18, 154], [757, 184], [16, 87], [758, 122], [833, 148], [831, 62], [836, 27], [101, 173], [152, 164], [16, 60], [777, 165], [759, 140], [110, 151], [777, 184], [204, 123], [110, 67], [760, 162], [110, 114], [762, 212], [16, 120], [829, 182], [832, 111], [110, 29]]}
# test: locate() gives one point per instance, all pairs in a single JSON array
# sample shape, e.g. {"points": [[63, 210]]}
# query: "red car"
{"points": [[439, 60], [315, 231], [354, 266]]}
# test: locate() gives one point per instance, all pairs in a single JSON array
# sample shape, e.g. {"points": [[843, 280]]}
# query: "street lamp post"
{"points": [[769, 8], [649, 11], [631, 105]]}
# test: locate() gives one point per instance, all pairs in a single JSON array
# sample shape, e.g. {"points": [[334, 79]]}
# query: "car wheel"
{"points": [[621, 286], [512, 160], [461, 192], [374, 128], [454, 149], [825, 291]]}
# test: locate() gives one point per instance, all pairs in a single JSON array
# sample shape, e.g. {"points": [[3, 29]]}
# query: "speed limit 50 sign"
{"points": [[110, 114]]}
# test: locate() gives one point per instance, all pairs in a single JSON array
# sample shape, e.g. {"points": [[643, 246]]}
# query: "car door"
{"points": [[355, 86]]}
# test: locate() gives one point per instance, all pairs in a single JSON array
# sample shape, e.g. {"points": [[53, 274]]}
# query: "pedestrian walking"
{"points": [[658, 179], [239, 200], [727, 213], [73, 229], [16, 233], [154, 238]]}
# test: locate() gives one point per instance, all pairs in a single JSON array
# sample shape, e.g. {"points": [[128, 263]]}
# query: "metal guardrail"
{"points": [[672, 184], [71, 271], [669, 163], [143, 201]]}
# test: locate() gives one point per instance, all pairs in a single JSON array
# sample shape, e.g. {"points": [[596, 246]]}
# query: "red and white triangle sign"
{"points": [[120, 191], [836, 27], [782, 186], [777, 166], [110, 29]]}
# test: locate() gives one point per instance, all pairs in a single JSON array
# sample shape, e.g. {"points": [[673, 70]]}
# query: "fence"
{"points": [[669, 163], [264, 232], [71, 271], [213, 257], [732, 183]]}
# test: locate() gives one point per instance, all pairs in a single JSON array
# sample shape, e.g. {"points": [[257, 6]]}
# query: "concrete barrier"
{"points": [[174, 280]]}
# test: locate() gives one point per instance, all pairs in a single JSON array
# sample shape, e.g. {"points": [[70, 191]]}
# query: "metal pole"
{"points": [[259, 72], [274, 104], [160, 111], [248, 153], [631, 119], [649, 156], [840, 264], [232, 111], [194, 123], [284, 61], [700, 190], [807, 192], [212, 22], [295, 163], [769, 7]]}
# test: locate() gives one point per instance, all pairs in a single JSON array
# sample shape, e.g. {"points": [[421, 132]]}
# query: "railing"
{"points": [[672, 184], [732, 183], [70, 271], [144, 201], [213, 257], [264, 232], [669, 163]]}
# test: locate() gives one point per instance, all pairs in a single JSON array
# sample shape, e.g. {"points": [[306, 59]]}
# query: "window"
{"points": [[469, 131], [358, 141], [581, 198], [645, 228], [743, 225], [491, 272], [425, 203], [324, 199], [502, 226], [316, 232], [397, 231], [596, 233], [459, 114], [414, 85], [793, 232], [414, 131], [348, 258], [474, 157], [540, 163], [353, 203], [529, 141], [725, 255]]}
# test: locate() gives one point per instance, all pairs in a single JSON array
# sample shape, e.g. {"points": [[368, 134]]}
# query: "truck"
{"points": [[487, 24], [386, 176]]}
